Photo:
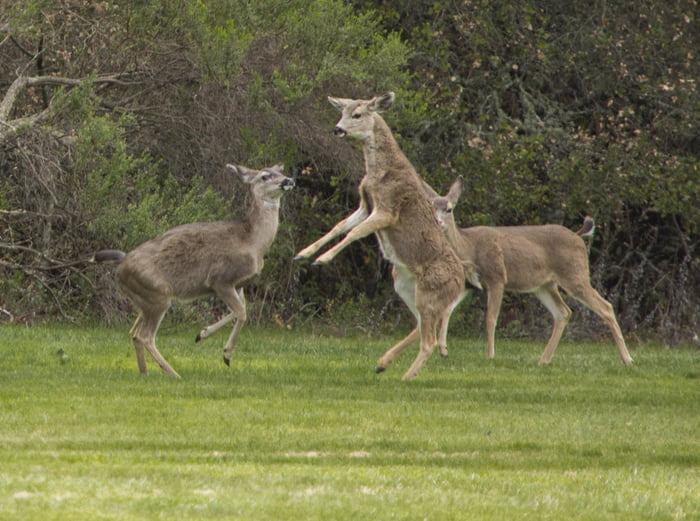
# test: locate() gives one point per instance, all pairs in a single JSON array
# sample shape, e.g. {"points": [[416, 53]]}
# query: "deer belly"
{"points": [[388, 251]]}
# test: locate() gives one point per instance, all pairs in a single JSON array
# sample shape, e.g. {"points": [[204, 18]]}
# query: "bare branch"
{"points": [[24, 82]]}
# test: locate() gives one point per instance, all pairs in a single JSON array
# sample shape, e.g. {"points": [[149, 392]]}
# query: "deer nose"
{"points": [[287, 184], [339, 131]]}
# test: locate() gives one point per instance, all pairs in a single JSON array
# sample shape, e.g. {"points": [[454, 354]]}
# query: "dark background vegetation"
{"points": [[116, 120]]}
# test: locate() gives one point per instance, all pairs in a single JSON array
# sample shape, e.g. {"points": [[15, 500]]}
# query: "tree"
{"points": [[118, 119]]}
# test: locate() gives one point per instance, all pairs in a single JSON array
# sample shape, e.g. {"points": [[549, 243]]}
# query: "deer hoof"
{"points": [[227, 361], [380, 370], [298, 257], [199, 337]]}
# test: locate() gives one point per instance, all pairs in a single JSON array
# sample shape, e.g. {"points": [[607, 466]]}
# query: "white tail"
{"points": [[528, 259], [427, 274], [197, 260]]}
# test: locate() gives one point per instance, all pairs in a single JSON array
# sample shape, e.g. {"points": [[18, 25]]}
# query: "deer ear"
{"points": [[246, 174], [338, 103], [455, 190], [279, 167], [428, 190], [382, 103]]}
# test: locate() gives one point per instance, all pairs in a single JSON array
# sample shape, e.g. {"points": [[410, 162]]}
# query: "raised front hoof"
{"points": [[317, 263], [299, 257], [379, 370]]}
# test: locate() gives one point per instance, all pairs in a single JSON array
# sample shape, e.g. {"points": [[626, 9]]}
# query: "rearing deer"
{"points": [[528, 259], [427, 274], [197, 260]]}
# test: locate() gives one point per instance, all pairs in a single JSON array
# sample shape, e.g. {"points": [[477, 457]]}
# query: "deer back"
{"points": [[188, 260], [532, 255]]}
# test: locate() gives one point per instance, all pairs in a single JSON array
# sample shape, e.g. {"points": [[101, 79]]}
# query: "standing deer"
{"points": [[528, 259], [427, 273], [197, 260]]}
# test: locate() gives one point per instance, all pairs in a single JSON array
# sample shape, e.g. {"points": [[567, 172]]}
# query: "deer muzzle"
{"points": [[340, 132]]}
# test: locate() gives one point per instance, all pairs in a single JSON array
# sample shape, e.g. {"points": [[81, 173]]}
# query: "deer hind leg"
{"points": [[601, 307], [388, 358], [144, 337], [444, 324], [138, 346], [428, 327], [561, 313], [405, 287], [494, 298], [433, 306]]}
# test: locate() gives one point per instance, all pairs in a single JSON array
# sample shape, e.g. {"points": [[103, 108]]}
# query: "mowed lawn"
{"points": [[300, 428]]}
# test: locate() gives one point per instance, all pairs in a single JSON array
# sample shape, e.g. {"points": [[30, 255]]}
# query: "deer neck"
{"points": [[263, 222], [461, 245], [381, 149]]}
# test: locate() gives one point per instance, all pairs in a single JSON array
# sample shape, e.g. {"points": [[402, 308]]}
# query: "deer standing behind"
{"points": [[528, 259], [427, 274], [197, 260]]}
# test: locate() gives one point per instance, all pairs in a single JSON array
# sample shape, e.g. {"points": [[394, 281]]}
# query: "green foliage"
{"points": [[124, 199], [550, 111]]}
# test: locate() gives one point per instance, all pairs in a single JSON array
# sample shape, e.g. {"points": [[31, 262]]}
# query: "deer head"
{"points": [[444, 206], [268, 184], [357, 118]]}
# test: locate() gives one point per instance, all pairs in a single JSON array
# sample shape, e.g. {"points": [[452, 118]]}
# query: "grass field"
{"points": [[300, 428]]}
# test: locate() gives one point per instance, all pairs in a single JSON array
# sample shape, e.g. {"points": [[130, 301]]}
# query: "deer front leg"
{"points": [[375, 222], [235, 300], [340, 228], [494, 297], [233, 337], [210, 330]]}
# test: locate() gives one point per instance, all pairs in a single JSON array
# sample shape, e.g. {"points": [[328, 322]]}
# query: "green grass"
{"points": [[300, 428]]}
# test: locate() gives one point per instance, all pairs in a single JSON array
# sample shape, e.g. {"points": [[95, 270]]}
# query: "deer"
{"points": [[528, 259], [427, 274], [197, 260]]}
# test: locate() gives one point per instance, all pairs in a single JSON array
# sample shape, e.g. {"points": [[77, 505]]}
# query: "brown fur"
{"points": [[197, 260], [427, 274], [528, 259]]}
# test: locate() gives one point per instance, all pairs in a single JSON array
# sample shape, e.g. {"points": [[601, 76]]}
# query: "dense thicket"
{"points": [[116, 119]]}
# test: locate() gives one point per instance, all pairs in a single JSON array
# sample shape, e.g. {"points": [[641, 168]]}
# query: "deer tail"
{"points": [[108, 256], [587, 228]]}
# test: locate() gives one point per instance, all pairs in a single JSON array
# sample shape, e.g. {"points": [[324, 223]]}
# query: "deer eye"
{"points": [[356, 116], [449, 210], [266, 177]]}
